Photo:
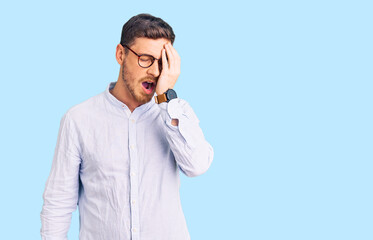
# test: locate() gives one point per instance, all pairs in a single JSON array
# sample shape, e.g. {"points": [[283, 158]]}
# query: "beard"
{"points": [[134, 86]]}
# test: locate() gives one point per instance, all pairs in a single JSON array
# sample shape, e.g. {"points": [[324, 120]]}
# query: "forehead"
{"points": [[149, 46]]}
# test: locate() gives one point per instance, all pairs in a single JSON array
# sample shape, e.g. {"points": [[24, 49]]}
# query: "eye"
{"points": [[146, 59]]}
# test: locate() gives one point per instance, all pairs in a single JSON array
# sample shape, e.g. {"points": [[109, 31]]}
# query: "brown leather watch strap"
{"points": [[160, 98]]}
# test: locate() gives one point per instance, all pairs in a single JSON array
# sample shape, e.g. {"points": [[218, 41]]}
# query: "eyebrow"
{"points": [[142, 53], [146, 54], [150, 55]]}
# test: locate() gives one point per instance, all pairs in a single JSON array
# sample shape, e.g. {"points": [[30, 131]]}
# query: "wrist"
{"points": [[168, 95], [161, 91]]}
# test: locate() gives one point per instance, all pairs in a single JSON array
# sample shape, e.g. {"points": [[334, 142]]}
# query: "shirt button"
{"points": [[133, 120], [133, 174], [133, 202], [134, 229], [132, 146]]}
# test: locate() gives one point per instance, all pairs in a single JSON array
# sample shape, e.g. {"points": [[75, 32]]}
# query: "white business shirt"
{"points": [[122, 169]]}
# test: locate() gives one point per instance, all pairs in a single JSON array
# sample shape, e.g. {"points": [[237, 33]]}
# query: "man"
{"points": [[118, 154]]}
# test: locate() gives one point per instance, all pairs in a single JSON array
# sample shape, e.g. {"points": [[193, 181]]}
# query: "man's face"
{"points": [[139, 81]]}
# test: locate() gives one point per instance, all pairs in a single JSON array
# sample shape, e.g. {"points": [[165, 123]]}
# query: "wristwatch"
{"points": [[165, 97]]}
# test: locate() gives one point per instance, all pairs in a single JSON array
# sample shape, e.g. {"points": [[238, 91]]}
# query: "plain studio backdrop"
{"points": [[282, 89]]}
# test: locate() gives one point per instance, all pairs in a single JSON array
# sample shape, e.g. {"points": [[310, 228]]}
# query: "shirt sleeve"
{"points": [[192, 152], [62, 187]]}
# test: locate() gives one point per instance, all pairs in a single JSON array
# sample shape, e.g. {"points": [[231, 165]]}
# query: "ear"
{"points": [[120, 54]]}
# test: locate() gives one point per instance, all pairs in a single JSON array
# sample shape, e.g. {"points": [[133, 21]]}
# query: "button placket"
{"points": [[133, 179]]}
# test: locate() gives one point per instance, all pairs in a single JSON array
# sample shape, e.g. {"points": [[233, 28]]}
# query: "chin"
{"points": [[142, 99]]}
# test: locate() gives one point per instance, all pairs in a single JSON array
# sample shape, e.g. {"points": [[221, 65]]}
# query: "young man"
{"points": [[118, 154]]}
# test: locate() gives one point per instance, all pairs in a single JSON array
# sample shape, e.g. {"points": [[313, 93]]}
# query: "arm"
{"points": [[192, 152], [62, 187]]}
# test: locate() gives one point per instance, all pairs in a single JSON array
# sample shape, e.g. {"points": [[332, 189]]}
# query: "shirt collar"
{"points": [[113, 100]]}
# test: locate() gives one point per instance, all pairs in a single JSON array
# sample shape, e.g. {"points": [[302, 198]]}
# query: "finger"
{"points": [[177, 57], [173, 51], [171, 58], [164, 60]]}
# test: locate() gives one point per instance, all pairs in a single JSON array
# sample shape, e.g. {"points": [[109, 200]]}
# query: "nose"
{"points": [[155, 69]]}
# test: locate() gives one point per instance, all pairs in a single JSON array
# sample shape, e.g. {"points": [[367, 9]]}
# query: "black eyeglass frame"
{"points": [[148, 55]]}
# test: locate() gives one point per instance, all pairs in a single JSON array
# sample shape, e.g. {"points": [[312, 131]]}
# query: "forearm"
{"points": [[175, 122], [192, 152]]}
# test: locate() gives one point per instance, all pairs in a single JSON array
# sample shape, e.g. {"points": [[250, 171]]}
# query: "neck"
{"points": [[121, 93]]}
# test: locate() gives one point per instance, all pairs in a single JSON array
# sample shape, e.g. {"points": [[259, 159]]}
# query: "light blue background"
{"points": [[283, 91]]}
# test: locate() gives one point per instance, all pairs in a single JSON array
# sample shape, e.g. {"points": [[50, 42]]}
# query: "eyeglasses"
{"points": [[145, 60]]}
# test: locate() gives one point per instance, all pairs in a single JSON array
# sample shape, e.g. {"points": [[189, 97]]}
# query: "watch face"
{"points": [[171, 94]]}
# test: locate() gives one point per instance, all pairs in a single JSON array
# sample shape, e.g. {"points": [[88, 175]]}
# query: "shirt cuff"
{"points": [[188, 122], [171, 110]]}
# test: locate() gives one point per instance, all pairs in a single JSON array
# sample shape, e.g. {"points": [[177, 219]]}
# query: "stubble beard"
{"points": [[131, 85]]}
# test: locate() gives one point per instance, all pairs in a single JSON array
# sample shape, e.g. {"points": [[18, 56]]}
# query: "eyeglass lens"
{"points": [[146, 61]]}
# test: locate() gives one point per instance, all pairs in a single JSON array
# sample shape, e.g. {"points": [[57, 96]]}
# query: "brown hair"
{"points": [[148, 26]]}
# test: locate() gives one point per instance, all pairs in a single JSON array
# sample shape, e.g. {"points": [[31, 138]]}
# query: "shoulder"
{"points": [[86, 109]]}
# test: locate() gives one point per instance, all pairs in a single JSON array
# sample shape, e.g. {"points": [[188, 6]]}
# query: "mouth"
{"points": [[148, 86]]}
